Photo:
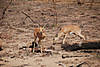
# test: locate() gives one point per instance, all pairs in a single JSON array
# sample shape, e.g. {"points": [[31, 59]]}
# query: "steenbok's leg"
{"points": [[64, 39], [41, 47], [35, 39], [79, 34], [59, 35], [33, 49]]}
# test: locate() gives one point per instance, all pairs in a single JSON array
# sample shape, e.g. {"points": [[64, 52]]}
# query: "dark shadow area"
{"points": [[36, 46], [1, 49], [84, 45], [2, 65], [90, 51], [33, 44]]}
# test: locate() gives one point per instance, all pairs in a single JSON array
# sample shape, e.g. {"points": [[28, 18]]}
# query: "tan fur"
{"points": [[40, 34], [69, 29]]}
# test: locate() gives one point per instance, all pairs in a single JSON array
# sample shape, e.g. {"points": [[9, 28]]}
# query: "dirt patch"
{"points": [[17, 31]]}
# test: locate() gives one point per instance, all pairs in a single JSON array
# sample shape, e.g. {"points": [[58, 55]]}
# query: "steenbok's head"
{"points": [[57, 36]]}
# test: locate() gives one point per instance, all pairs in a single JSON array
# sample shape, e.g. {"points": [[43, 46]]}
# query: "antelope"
{"points": [[68, 29], [39, 33]]}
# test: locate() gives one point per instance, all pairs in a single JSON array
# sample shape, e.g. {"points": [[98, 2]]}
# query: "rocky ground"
{"points": [[16, 31]]}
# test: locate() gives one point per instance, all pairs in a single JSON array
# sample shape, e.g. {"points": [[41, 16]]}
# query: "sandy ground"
{"points": [[16, 32]]}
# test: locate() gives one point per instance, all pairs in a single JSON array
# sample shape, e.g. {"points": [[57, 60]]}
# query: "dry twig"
{"points": [[30, 18], [5, 9]]}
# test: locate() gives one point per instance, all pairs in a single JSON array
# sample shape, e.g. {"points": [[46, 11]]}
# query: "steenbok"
{"points": [[39, 33], [68, 29]]}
